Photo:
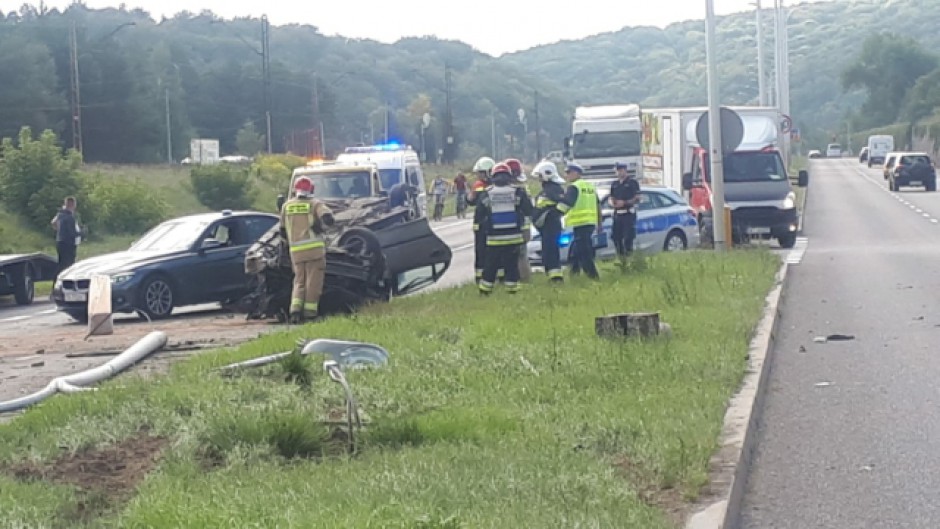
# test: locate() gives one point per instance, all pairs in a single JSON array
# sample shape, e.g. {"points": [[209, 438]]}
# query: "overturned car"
{"points": [[374, 251]]}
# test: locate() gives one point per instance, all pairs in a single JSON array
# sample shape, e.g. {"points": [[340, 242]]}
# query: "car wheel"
{"points": [[675, 242], [787, 241], [156, 297], [23, 288], [81, 316], [930, 186], [363, 243]]}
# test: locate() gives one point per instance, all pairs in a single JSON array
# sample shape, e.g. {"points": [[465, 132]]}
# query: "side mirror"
{"points": [[803, 179], [687, 181], [280, 201]]}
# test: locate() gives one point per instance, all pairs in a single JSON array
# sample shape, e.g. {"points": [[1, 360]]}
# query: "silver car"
{"points": [[665, 222]]}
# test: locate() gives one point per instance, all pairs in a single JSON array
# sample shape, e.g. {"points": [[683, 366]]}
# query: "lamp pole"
{"points": [[714, 132], [761, 74]]}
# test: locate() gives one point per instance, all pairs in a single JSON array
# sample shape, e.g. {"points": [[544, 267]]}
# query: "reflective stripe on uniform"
{"points": [[297, 208], [512, 286], [544, 202], [486, 286], [584, 212], [306, 244], [476, 227], [478, 273], [296, 304], [311, 307], [504, 240], [555, 272]]}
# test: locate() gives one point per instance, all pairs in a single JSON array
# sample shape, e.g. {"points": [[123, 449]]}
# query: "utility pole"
{"points": [[266, 74], [538, 129], [386, 121], [761, 74], [75, 83], [783, 74], [493, 132], [448, 118], [169, 131], [715, 146], [317, 121]]}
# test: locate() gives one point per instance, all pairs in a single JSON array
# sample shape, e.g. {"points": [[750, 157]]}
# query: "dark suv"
{"points": [[913, 169]]}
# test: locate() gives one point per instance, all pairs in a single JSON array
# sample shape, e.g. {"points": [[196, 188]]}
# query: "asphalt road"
{"points": [[849, 435], [15, 320]]}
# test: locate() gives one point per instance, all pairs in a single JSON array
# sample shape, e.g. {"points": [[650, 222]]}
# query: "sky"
{"points": [[491, 26]]}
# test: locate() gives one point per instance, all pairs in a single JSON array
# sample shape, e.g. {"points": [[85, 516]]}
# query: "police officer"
{"points": [[519, 180], [302, 222], [501, 210], [582, 215], [482, 168], [547, 217], [624, 196]]}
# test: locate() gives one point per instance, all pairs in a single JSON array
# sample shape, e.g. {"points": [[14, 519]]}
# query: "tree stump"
{"points": [[644, 325]]}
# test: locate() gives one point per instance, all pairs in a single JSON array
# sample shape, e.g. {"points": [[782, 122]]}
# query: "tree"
{"points": [[29, 93], [222, 186], [887, 68], [248, 141]]}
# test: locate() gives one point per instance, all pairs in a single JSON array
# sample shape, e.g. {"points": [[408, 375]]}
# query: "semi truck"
{"points": [[18, 274], [757, 184], [603, 135]]}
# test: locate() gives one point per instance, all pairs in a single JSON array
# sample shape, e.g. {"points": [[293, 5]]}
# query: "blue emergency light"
{"points": [[564, 239]]}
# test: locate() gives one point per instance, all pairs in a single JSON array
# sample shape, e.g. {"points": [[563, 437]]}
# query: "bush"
{"points": [[222, 186], [36, 175], [122, 207]]}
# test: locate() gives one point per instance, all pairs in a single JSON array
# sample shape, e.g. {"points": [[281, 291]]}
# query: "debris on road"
{"points": [[823, 384], [833, 338]]}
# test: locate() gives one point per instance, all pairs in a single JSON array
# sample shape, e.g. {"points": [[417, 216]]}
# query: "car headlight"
{"points": [[57, 285], [117, 279], [790, 201]]}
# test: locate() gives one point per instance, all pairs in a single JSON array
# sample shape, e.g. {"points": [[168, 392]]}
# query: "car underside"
{"points": [[372, 250]]}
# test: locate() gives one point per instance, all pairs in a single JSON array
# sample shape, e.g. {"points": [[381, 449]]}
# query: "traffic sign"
{"points": [[732, 130]]}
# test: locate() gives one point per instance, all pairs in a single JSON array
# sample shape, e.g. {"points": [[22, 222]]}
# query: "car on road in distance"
{"points": [[814, 154], [863, 155], [890, 159], [913, 169], [184, 261], [833, 150], [665, 222], [879, 146]]}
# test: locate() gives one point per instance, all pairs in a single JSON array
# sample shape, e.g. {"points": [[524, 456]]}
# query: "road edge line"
{"points": [[730, 465]]}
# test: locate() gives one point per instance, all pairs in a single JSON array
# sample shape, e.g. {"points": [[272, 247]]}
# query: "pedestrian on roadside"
{"points": [[547, 217], [460, 189], [583, 215], [501, 210], [439, 192], [624, 197], [67, 234]]}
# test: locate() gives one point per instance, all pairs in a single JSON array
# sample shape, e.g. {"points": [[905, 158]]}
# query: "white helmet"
{"points": [[547, 171]]}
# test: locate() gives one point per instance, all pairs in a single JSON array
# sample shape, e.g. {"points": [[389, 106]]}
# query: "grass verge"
{"points": [[504, 411]]}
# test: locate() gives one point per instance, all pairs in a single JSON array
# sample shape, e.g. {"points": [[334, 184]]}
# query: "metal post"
{"points": [[169, 131], [448, 119], [266, 74], [785, 78], [322, 142], [317, 121], [75, 89], [386, 122], [761, 74], [777, 55], [493, 132], [538, 129], [714, 131]]}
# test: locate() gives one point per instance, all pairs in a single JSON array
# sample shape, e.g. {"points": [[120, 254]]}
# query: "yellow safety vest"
{"points": [[297, 217], [584, 211]]}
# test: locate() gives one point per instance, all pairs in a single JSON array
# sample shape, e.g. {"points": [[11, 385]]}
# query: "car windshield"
{"points": [[617, 144], [171, 236], [834, 147], [389, 177], [754, 167], [346, 184]]}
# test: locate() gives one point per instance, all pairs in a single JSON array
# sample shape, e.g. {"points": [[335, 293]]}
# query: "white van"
{"points": [[396, 163], [878, 148], [833, 150]]}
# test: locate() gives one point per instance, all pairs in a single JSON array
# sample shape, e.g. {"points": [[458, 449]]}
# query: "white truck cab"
{"points": [[396, 163], [603, 135]]}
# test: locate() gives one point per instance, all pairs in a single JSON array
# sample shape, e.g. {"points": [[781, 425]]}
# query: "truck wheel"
{"points": [[787, 241], [23, 288]]}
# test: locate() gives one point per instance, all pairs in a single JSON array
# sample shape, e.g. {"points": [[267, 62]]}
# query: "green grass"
{"points": [[505, 411]]}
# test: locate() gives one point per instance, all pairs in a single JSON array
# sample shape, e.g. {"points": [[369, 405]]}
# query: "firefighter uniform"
{"points": [[479, 234], [525, 269], [501, 210], [547, 219], [302, 219], [581, 207]]}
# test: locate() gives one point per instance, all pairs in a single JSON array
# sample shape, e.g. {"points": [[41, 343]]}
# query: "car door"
{"points": [[645, 222], [218, 269]]}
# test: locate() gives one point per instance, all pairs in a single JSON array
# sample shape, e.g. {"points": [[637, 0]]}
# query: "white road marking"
{"points": [[14, 318], [461, 248], [897, 196], [795, 255]]}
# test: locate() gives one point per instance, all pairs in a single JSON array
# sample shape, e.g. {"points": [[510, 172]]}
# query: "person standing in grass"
{"points": [[582, 214], [501, 210], [67, 235]]}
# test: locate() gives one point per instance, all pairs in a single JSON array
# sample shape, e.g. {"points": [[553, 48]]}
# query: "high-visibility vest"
{"points": [[584, 211], [298, 216], [504, 219]]}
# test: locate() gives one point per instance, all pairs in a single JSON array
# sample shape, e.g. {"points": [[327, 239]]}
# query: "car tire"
{"points": [[675, 242], [24, 290], [81, 315], [156, 297], [364, 243], [787, 241], [930, 186]]}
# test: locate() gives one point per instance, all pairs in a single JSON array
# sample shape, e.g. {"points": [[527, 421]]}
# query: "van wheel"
{"points": [[787, 241]]}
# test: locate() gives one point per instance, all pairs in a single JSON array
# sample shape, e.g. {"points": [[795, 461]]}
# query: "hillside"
{"points": [[666, 67]]}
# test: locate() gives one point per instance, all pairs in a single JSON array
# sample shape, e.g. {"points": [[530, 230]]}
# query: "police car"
{"points": [[665, 222]]}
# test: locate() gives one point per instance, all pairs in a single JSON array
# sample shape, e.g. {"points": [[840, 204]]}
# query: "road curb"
{"points": [[730, 465]]}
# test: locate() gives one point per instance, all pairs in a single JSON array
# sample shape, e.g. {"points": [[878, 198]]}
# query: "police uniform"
{"points": [[501, 210], [547, 219], [624, 229], [581, 207], [301, 218]]}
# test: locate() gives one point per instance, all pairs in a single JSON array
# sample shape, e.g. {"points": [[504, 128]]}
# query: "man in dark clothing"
{"points": [[624, 196], [582, 214], [501, 210], [67, 234], [460, 187], [398, 195], [547, 217]]}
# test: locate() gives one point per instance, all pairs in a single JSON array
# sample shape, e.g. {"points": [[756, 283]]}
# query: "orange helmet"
{"points": [[303, 185]]}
